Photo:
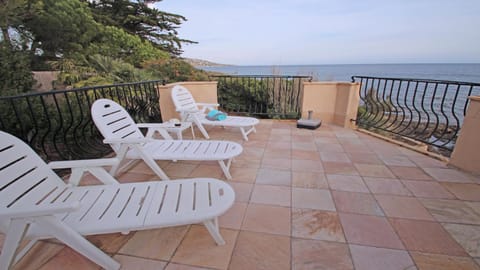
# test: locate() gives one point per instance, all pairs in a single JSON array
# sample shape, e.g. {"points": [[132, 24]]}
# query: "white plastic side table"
{"points": [[178, 130]]}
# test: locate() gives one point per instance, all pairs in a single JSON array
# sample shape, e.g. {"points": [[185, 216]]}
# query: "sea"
{"points": [[449, 72]]}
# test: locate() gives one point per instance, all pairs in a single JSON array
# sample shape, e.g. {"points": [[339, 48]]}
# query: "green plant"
{"points": [[15, 73]]}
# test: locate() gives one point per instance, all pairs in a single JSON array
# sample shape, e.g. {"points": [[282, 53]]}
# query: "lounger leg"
{"points": [[77, 242], [226, 168], [201, 128], [151, 163], [14, 236], [213, 229], [102, 175], [244, 134], [25, 250], [76, 176], [120, 156], [114, 169]]}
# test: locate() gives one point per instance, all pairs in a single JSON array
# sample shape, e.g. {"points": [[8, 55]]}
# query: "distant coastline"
{"points": [[203, 63]]}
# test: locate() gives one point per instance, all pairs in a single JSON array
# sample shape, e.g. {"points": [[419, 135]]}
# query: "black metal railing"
{"points": [[261, 96], [429, 111], [57, 124]]}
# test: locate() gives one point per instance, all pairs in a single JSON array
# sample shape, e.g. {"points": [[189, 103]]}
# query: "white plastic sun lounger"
{"points": [[128, 142], [196, 112], [37, 204]]}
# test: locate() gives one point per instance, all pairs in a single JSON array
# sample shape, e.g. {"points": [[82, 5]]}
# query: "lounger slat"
{"points": [[170, 200], [202, 201], [185, 204]]}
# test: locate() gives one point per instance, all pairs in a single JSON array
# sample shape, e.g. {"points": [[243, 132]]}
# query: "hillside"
{"points": [[201, 63]]}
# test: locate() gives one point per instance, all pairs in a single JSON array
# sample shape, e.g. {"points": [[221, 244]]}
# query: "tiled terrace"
{"points": [[325, 199]]}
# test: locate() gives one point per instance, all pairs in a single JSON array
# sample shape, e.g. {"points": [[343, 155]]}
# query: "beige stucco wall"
{"points": [[203, 92], [466, 154], [332, 102]]}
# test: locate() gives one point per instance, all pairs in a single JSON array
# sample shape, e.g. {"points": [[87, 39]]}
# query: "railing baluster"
{"points": [[417, 111], [48, 130], [35, 129], [457, 120], [437, 119], [425, 112], [401, 106], [391, 106]]}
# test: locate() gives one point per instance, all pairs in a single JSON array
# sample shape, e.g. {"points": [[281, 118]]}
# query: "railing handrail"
{"points": [[62, 91], [416, 80]]}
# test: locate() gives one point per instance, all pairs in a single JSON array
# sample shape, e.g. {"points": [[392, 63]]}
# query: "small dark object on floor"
{"points": [[309, 123], [178, 124]]}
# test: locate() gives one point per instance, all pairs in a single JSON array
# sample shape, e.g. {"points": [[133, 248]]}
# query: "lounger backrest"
{"points": [[26, 181], [183, 99], [113, 121]]}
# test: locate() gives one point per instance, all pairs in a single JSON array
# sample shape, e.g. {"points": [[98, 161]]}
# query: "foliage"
{"points": [[117, 43], [174, 70], [15, 74], [137, 18], [268, 97], [91, 42], [13, 15], [62, 29], [99, 70]]}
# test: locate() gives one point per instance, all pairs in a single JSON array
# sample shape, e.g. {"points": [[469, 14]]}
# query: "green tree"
{"points": [[117, 43], [13, 14], [174, 70], [62, 29], [89, 42], [15, 72], [137, 18]]}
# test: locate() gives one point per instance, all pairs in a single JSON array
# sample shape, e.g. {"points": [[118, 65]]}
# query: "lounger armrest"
{"points": [[208, 104], [93, 166], [188, 111], [39, 210], [153, 125], [127, 140], [70, 164], [156, 127]]}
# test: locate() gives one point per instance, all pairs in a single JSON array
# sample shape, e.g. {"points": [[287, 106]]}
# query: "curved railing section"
{"points": [[263, 96], [57, 124], [428, 111]]}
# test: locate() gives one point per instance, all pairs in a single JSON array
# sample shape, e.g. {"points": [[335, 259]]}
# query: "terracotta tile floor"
{"points": [[331, 198]]}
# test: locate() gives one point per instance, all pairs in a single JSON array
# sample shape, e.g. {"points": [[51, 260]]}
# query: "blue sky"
{"points": [[289, 32]]}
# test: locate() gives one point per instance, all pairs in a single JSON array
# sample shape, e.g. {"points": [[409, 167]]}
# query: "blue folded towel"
{"points": [[215, 115]]}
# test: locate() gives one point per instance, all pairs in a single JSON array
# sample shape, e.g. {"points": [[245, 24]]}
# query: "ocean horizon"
{"points": [[344, 72]]}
